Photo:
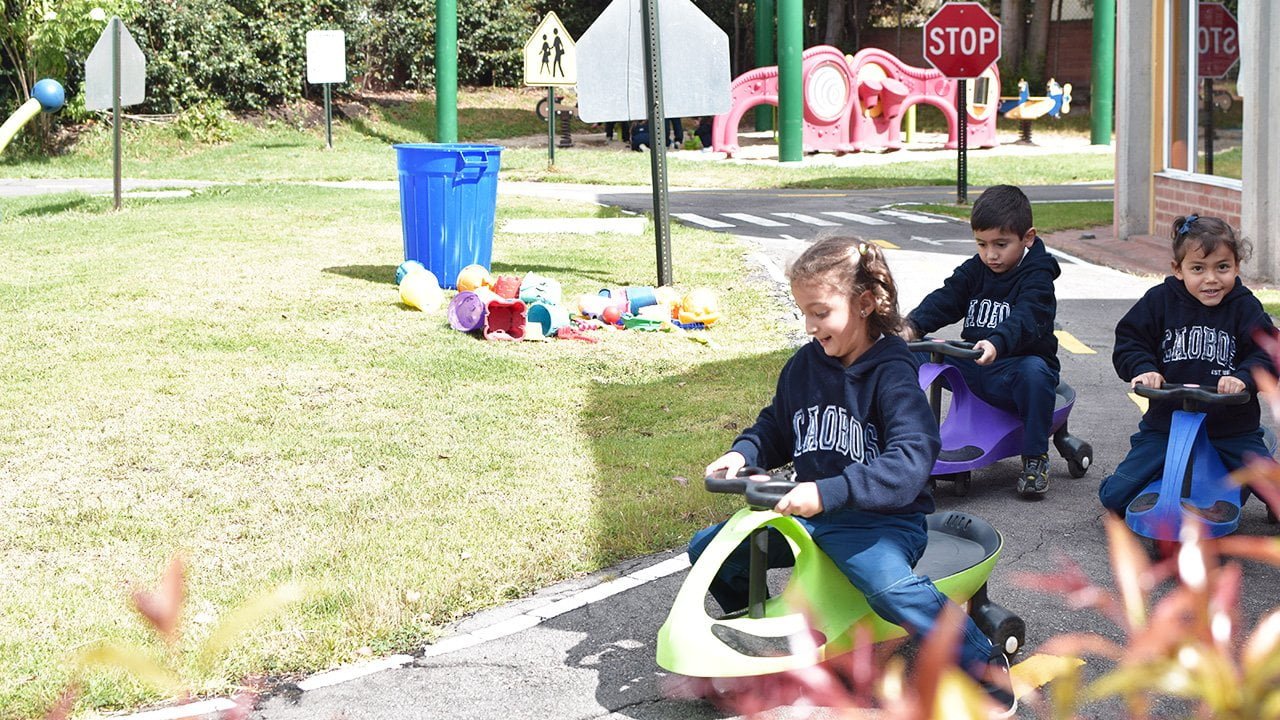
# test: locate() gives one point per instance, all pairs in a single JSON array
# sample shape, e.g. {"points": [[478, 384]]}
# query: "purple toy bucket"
{"points": [[448, 196], [466, 311]]}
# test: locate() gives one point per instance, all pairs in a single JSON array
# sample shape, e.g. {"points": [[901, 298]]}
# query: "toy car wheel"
{"points": [[1078, 464], [1006, 631]]}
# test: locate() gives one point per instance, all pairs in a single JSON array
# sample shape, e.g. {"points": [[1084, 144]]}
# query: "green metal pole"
{"points": [[1102, 82], [764, 55], [447, 71], [657, 118], [115, 110], [790, 81], [551, 127]]}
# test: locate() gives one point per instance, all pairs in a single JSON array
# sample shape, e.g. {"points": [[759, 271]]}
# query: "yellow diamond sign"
{"points": [[550, 57]]}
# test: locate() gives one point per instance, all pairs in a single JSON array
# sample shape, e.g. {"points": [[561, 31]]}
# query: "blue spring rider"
{"points": [[1195, 485], [976, 434], [818, 599]]}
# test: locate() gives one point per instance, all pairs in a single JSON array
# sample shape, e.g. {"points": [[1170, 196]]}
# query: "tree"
{"points": [[49, 38]]}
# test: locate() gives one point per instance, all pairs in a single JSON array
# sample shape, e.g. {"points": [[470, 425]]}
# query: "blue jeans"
{"points": [[1022, 384], [1145, 462], [876, 552]]}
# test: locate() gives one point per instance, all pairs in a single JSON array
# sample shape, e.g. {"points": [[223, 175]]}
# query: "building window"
{"points": [[1203, 115]]}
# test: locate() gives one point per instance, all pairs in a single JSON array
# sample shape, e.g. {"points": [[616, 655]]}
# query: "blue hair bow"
{"points": [[1186, 224]]}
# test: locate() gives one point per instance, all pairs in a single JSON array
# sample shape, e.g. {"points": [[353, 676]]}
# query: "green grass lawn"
{"points": [[278, 150], [1049, 216], [231, 376]]}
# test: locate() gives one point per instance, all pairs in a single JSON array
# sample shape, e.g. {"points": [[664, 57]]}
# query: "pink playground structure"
{"points": [[856, 103]]}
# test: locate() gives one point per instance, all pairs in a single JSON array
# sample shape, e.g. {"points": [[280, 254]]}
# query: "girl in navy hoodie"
{"points": [[1196, 327], [849, 413]]}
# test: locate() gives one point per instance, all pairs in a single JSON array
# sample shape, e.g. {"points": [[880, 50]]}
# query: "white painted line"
{"points": [[912, 217], [609, 589], [451, 643], [351, 672], [754, 219], [507, 627], [811, 220], [855, 217], [190, 710], [670, 566], [926, 240], [700, 220], [559, 607]]}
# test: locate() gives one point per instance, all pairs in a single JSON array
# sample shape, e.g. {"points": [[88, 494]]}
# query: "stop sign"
{"points": [[1218, 40], [961, 39]]}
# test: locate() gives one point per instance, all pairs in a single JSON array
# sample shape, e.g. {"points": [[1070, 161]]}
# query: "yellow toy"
{"points": [[472, 277], [699, 306], [421, 289]]}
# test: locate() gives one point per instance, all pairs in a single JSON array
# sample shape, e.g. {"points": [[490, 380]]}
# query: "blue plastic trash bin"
{"points": [[448, 196]]}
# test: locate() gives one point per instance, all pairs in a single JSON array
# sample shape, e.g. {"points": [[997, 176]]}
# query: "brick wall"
{"points": [[1070, 53], [1176, 197]]}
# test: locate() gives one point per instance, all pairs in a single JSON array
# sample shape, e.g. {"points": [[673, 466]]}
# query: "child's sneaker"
{"points": [[1034, 480], [999, 688]]}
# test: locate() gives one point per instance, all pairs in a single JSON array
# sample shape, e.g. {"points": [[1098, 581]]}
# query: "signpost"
{"points": [[622, 56], [326, 64], [1218, 45], [961, 40], [550, 59], [115, 76]]}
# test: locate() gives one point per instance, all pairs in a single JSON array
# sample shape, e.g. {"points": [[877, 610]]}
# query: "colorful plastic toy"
{"points": [[46, 95], [699, 306], [420, 289], [548, 317], [960, 556], [474, 276], [468, 308], [976, 434], [1025, 108], [1195, 486], [505, 320], [857, 103], [536, 288], [407, 267], [506, 286]]}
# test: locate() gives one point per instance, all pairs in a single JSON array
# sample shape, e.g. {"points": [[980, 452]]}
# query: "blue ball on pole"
{"points": [[49, 94]]}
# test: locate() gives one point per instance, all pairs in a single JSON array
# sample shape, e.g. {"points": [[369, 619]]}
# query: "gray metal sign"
{"points": [[99, 86], [611, 63]]}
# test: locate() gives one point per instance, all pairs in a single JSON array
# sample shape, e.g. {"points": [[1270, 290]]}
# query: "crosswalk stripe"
{"points": [[855, 217], [1072, 345], [801, 217], [703, 221], [754, 219], [912, 217]]}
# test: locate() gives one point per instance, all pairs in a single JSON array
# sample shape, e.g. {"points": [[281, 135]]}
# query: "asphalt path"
{"points": [[585, 649]]}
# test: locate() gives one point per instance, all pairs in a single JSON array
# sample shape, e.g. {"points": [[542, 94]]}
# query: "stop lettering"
{"points": [[962, 40]]}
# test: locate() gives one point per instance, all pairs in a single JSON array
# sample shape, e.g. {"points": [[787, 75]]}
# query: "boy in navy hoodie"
{"points": [[849, 413], [1005, 296], [1195, 327]]}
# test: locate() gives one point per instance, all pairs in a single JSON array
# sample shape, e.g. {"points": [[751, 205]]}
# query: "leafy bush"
{"points": [[205, 122]]}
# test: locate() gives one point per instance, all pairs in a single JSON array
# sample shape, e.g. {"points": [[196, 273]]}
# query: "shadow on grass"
{"points": [[381, 274], [54, 207], [605, 279]]}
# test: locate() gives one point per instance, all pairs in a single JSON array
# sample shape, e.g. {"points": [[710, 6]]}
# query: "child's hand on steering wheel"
{"points": [[804, 501], [1228, 384], [988, 352], [1153, 380], [731, 463]]}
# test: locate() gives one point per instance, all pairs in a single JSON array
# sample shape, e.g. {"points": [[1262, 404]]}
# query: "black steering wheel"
{"points": [[950, 348], [760, 493], [1191, 395]]}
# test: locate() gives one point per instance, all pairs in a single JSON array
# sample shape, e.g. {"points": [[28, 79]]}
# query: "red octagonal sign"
{"points": [[962, 39], [1218, 41]]}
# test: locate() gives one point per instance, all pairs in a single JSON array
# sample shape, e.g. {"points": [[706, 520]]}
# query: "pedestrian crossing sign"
{"points": [[550, 57]]}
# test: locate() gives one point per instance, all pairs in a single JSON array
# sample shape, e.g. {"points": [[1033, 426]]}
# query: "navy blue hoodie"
{"points": [[1170, 332], [864, 434], [1013, 310]]}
